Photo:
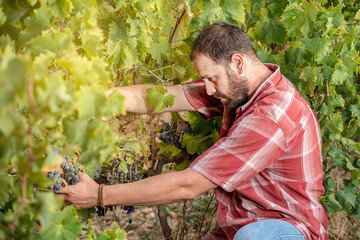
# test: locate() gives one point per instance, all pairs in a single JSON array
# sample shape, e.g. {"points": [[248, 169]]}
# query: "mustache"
{"points": [[219, 95]]}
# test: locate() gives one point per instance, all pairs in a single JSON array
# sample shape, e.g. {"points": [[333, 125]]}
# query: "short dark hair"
{"points": [[220, 41]]}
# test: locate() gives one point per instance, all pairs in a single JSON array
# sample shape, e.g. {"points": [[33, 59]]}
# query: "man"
{"points": [[266, 168]]}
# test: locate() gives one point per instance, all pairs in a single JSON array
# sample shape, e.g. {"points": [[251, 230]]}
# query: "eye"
{"points": [[211, 79]]}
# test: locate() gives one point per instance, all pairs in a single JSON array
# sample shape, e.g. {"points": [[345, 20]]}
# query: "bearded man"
{"points": [[266, 167]]}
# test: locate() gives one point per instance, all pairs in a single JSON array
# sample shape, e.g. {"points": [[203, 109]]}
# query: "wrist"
{"points": [[101, 196]]}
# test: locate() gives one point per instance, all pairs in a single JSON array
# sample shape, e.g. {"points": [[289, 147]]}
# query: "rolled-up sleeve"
{"points": [[208, 106]]}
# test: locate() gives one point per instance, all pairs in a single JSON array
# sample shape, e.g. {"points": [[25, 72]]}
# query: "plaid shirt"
{"points": [[267, 162]]}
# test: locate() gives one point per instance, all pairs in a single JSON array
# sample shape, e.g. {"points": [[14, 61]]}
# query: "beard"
{"points": [[238, 94]]}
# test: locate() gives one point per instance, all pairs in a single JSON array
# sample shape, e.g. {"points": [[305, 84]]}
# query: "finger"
{"points": [[82, 176], [62, 196], [63, 191]]}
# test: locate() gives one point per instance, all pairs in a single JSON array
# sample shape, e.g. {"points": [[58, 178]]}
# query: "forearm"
{"points": [[160, 189], [135, 97]]}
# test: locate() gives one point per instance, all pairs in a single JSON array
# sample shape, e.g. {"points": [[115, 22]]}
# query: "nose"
{"points": [[210, 88]]}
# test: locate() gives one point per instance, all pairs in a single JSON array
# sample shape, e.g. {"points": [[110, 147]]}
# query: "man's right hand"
{"points": [[82, 195]]}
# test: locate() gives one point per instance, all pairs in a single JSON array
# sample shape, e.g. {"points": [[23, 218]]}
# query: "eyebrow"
{"points": [[205, 76]]}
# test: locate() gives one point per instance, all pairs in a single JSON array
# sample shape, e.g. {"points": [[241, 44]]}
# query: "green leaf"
{"points": [[277, 7], [120, 4], [5, 188], [297, 21], [112, 233], [83, 71], [2, 17], [355, 111], [7, 125], [159, 47], [357, 15], [54, 41], [218, 11], [270, 30], [90, 102], [350, 195], [198, 124], [338, 157], [335, 15], [340, 75], [329, 183], [190, 142], [36, 23], [168, 150], [114, 104], [118, 31], [351, 143], [62, 225], [336, 101], [199, 3], [182, 166], [332, 205], [155, 97], [14, 75], [319, 46], [335, 124], [75, 131]]}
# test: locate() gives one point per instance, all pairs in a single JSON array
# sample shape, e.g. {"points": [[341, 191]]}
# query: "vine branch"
{"points": [[114, 6], [176, 26], [30, 90]]}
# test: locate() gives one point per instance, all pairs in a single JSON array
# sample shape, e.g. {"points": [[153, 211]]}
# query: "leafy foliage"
{"points": [[58, 58], [157, 100]]}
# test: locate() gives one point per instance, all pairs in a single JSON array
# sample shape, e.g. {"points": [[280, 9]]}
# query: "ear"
{"points": [[237, 63]]}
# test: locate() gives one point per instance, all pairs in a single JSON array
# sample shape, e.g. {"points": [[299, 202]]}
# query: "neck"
{"points": [[258, 73]]}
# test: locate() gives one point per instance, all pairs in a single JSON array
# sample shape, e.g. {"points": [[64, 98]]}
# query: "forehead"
{"points": [[206, 67]]}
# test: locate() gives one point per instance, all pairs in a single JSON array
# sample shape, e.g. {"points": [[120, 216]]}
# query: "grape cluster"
{"points": [[171, 136], [69, 173], [112, 174], [57, 181]]}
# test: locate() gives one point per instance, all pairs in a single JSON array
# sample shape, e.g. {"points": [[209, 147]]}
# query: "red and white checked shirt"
{"points": [[267, 162]]}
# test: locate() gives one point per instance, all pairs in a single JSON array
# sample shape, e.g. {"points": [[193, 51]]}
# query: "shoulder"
{"points": [[284, 105]]}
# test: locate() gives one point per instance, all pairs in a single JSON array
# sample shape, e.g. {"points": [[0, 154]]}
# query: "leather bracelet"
{"points": [[100, 196]]}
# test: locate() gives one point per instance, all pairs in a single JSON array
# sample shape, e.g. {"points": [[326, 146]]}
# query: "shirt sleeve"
{"points": [[251, 145], [208, 106]]}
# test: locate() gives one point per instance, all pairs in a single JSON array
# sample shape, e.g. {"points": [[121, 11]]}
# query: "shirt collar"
{"points": [[273, 79]]}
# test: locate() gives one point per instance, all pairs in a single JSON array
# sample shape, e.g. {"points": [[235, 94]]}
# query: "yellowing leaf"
{"points": [[159, 48], [90, 102], [57, 42]]}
